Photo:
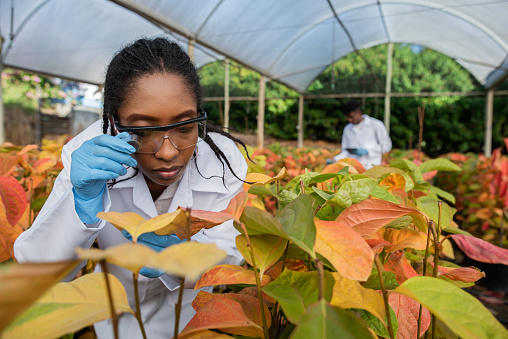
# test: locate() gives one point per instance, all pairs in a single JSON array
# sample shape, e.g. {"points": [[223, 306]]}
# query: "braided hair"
{"points": [[153, 56]]}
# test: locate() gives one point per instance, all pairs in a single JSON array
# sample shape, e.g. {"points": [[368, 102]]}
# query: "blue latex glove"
{"points": [[361, 151], [94, 163], [330, 161], [157, 243]]}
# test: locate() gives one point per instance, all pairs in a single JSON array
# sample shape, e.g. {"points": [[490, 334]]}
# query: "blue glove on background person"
{"points": [[94, 163], [156, 243], [361, 151]]}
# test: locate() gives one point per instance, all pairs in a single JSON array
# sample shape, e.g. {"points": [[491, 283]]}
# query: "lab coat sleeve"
{"points": [[57, 230], [384, 143], [344, 144]]}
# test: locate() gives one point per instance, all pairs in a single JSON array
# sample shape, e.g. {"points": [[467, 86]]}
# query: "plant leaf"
{"points": [[443, 194], [229, 274], [454, 308], [68, 307], [237, 204], [380, 171], [295, 291], [250, 306], [407, 310], [14, 199], [359, 189], [481, 250], [297, 265], [429, 206], [406, 238], [260, 222], [188, 259], [224, 314], [399, 265], [383, 194], [258, 179], [297, 219], [368, 216], [128, 221], [267, 249], [377, 326], [128, 255], [389, 279], [327, 322], [464, 274], [346, 250], [348, 293], [440, 164], [22, 284]]}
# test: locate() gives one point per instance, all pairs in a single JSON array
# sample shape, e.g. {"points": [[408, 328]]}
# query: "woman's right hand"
{"points": [[94, 163]]}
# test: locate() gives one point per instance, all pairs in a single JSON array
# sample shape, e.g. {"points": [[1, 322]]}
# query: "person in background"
{"points": [[364, 138]]}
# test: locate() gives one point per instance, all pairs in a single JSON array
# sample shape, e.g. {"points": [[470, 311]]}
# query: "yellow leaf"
{"points": [[348, 293], [68, 307], [406, 238], [188, 259], [22, 284], [130, 256], [136, 225], [260, 179]]}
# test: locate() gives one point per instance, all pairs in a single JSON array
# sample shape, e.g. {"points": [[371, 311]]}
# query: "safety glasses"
{"points": [[182, 135]]}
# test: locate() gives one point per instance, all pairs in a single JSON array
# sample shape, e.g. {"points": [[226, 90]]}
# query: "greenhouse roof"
{"points": [[291, 41]]}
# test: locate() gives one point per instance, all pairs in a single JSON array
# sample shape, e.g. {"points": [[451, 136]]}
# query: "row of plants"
{"points": [[344, 252]]}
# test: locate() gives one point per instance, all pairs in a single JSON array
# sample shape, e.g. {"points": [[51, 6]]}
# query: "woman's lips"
{"points": [[168, 173]]}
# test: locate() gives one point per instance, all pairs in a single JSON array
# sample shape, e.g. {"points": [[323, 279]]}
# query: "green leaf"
{"points": [[260, 190], [323, 194], [286, 197], [267, 249], [455, 230], [260, 222], [373, 282], [383, 194], [323, 177], [376, 325], [429, 206], [327, 322], [38, 203], [457, 309], [440, 164], [443, 194], [341, 199], [379, 172], [360, 189], [295, 291], [297, 219], [399, 223]]}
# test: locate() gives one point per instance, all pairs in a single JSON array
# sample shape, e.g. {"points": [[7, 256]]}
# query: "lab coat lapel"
{"points": [[141, 196]]}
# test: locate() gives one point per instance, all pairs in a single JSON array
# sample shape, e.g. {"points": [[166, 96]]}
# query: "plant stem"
{"points": [[321, 276], [178, 308], [424, 273], [278, 191], [258, 283], [114, 319], [434, 273], [385, 295], [138, 309], [178, 305], [501, 227]]}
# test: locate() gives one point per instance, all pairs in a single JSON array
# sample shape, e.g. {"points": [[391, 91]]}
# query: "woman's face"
{"points": [[159, 100]]}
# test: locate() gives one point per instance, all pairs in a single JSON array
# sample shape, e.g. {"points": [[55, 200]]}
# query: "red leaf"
{"points": [[8, 165], [14, 198], [481, 250], [368, 216], [225, 314], [237, 204], [229, 274], [376, 244], [464, 274], [406, 310], [399, 265]]}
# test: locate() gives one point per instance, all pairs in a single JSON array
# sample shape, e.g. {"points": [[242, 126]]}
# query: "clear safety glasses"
{"points": [[182, 135]]}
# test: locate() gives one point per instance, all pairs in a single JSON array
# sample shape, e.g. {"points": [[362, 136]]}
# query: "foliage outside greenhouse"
{"points": [[330, 251]]}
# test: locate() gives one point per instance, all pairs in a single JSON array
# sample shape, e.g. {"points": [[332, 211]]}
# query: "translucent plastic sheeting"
{"points": [[291, 41]]}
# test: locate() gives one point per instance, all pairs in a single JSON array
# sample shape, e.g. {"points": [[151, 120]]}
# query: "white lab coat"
{"points": [[370, 134], [57, 230]]}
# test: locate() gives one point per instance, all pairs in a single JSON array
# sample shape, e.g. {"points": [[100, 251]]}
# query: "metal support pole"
{"points": [[300, 121], [261, 112], [190, 49], [226, 95], [489, 109], [388, 86]]}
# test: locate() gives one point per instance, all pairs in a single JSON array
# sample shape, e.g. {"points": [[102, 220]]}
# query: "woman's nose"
{"points": [[167, 151]]}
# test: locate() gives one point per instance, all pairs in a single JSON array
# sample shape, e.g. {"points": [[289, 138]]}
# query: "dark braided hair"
{"points": [[154, 56]]}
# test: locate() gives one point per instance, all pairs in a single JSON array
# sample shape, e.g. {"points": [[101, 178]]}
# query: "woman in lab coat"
{"points": [[152, 152]]}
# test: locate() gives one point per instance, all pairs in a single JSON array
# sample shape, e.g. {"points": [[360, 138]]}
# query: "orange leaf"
{"points": [[42, 165], [14, 198], [27, 149], [250, 304], [229, 274], [464, 274], [406, 310], [237, 204], [8, 165], [393, 181], [481, 250], [224, 314], [399, 265], [253, 292], [406, 238], [368, 216], [377, 244], [203, 219], [345, 249]]}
